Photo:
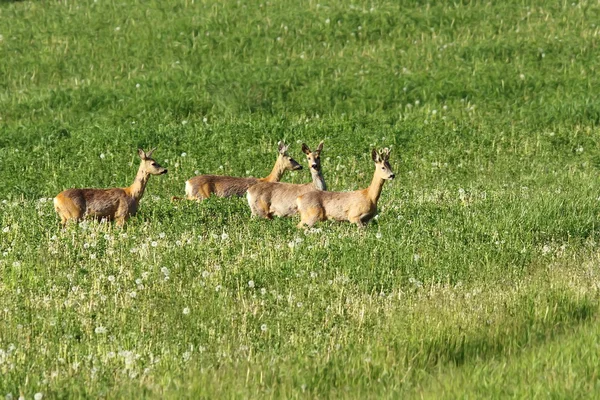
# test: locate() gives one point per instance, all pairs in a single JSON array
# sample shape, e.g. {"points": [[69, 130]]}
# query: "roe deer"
{"points": [[358, 207], [112, 204], [200, 187], [268, 199]]}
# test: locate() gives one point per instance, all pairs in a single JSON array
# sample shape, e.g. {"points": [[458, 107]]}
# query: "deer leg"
{"points": [[356, 219], [203, 192], [261, 209], [310, 217], [121, 213]]}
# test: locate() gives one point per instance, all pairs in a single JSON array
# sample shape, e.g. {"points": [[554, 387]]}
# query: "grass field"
{"points": [[479, 278]]}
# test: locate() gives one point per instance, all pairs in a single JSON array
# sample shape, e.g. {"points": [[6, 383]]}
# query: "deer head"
{"points": [[149, 165], [382, 165], [313, 157]]}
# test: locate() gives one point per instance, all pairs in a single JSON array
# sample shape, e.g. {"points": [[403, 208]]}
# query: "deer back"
{"points": [[203, 186], [337, 205]]}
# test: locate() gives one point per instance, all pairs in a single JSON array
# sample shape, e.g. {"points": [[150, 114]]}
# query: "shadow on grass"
{"points": [[505, 337]]}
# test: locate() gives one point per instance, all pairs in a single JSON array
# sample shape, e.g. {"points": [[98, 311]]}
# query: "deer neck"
{"points": [[136, 190], [276, 173], [374, 189], [318, 180]]}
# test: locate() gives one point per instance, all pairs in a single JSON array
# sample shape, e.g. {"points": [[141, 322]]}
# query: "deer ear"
{"points": [[375, 156], [320, 147], [142, 154], [305, 149], [149, 153]]}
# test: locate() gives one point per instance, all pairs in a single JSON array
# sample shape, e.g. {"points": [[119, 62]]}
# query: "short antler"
{"points": [[282, 147]]}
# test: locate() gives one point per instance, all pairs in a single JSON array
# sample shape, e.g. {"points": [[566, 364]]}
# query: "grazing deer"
{"points": [[268, 199], [358, 207], [111, 204], [202, 186]]}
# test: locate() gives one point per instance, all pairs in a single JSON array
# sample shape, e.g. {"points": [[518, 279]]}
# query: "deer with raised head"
{"points": [[358, 207], [111, 204], [279, 199], [202, 186]]}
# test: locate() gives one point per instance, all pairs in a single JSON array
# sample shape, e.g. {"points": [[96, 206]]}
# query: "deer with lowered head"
{"points": [[269, 199], [358, 207], [111, 204], [202, 186]]}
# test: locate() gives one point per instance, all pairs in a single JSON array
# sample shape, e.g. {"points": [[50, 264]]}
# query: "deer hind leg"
{"points": [[359, 220], [310, 216], [67, 210], [204, 192], [259, 207]]}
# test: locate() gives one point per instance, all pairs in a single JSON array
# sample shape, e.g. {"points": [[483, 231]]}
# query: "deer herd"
{"points": [[267, 197]]}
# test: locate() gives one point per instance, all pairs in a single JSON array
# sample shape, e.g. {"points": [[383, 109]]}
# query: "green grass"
{"points": [[478, 279]]}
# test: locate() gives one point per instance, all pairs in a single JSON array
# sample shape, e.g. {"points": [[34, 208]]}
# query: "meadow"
{"points": [[479, 277]]}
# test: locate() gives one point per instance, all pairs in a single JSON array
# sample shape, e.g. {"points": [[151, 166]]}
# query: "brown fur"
{"points": [[110, 204], [279, 199], [358, 207], [202, 186]]}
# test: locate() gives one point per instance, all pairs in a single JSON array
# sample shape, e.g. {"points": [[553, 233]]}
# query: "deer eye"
{"points": [[154, 164]]}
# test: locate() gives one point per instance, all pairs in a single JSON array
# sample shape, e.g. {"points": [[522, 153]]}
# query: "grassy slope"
{"points": [[481, 267]]}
